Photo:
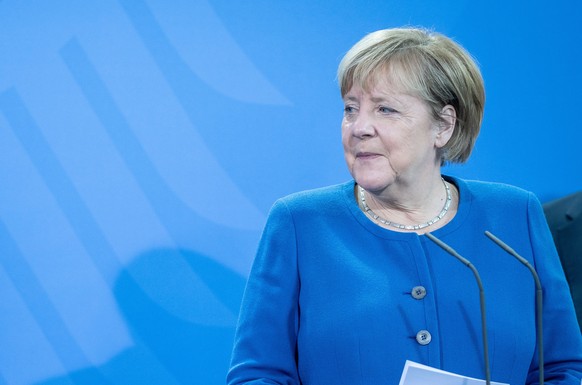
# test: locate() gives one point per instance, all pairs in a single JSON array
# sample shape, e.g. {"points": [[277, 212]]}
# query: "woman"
{"points": [[345, 287]]}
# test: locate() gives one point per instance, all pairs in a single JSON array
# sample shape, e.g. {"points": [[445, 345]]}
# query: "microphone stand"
{"points": [[539, 294], [467, 263]]}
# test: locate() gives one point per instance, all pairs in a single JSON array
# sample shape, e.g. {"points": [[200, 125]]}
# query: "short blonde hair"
{"points": [[428, 65]]}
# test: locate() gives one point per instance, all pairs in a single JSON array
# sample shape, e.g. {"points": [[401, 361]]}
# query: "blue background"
{"points": [[142, 143]]}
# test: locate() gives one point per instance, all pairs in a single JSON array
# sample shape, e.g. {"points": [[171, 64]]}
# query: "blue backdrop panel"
{"points": [[142, 143]]}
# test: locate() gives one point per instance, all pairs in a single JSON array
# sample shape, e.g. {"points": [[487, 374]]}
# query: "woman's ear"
{"points": [[446, 126]]}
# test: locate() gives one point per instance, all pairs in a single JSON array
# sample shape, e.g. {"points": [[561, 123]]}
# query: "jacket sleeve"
{"points": [[266, 337], [562, 338]]}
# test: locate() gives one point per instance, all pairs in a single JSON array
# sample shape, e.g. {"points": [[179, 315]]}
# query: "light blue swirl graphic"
{"points": [[221, 63], [179, 219], [39, 305]]}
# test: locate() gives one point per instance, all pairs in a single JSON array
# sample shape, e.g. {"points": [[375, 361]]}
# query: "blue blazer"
{"points": [[332, 298]]}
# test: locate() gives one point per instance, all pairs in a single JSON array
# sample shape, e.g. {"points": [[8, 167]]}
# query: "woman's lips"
{"points": [[366, 155]]}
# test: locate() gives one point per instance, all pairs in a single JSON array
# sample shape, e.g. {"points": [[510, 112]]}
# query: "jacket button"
{"points": [[423, 337], [418, 292]]}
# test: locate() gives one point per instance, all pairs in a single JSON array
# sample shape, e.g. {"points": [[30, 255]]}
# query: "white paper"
{"points": [[418, 374]]}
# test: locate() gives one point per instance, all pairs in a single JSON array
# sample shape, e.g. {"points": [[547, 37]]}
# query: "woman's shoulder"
{"points": [[493, 193], [486, 187], [319, 199]]}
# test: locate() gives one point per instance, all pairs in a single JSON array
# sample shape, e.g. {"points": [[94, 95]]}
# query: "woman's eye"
{"points": [[386, 110], [349, 109]]}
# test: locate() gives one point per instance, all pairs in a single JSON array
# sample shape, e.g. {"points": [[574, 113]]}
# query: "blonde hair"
{"points": [[428, 65]]}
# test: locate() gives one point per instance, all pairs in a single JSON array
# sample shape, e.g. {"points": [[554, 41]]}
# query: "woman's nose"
{"points": [[364, 126]]}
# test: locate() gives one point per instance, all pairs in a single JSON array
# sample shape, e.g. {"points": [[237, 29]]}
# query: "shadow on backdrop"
{"points": [[174, 343]]}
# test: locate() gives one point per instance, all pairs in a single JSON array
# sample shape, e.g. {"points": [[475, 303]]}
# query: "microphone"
{"points": [[467, 263], [539, 312]]}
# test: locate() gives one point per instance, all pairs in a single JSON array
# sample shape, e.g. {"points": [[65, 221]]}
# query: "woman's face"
{"points": [[388, 137]]}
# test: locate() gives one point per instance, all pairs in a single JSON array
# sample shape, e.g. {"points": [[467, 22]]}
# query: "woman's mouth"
{"points": [[366, 155]]}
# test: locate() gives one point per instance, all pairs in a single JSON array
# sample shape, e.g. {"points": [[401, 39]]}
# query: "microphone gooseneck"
{"points": [[539, 294], [467, 263]]}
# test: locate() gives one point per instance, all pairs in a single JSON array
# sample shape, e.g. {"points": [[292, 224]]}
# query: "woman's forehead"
{"points": [[382, 80]]}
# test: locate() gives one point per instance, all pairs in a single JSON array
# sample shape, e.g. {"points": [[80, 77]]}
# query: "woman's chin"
{"points": [[372, 184]]}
